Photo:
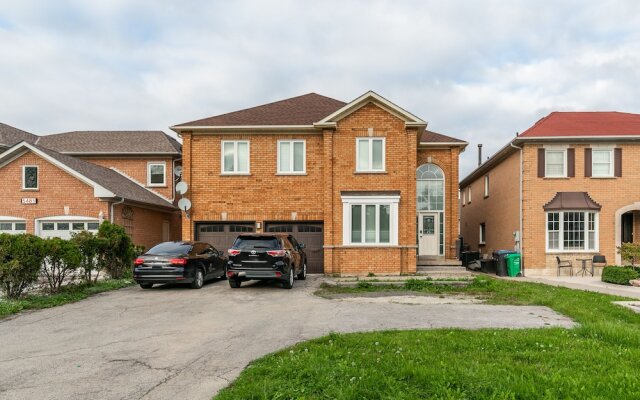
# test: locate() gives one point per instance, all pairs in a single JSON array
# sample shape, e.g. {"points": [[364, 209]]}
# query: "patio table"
{"points": [[584, 269]]}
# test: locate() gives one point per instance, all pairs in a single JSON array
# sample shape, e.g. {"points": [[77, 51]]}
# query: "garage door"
{"points": [[222, 235], [64, 229], [309, 233]]}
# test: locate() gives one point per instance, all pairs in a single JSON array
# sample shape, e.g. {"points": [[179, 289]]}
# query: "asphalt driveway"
{"points": [[173, 342]]}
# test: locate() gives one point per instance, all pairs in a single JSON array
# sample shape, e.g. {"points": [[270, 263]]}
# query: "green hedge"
{"points": [[620, 275]]}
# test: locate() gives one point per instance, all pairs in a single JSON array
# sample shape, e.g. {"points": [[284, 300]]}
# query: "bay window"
{"points": [[572, 231]]}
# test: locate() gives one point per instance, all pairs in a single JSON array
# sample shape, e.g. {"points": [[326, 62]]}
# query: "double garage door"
{"points": [[222, 235]]}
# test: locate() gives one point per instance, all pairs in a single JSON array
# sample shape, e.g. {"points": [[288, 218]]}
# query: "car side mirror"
{"points": [[302, 245]]}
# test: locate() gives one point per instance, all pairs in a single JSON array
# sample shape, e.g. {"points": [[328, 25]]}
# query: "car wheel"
{"points": [[303, 274], [146, 285], [235, 283], [198, 281], [288, 284]]}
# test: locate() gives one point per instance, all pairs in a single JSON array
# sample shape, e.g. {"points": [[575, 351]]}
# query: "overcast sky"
{"points": [[476, 70]]}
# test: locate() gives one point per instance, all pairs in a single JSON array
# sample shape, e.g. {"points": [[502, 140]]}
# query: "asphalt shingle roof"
{"points": [[603, 123], [10, 136], [434, 137], [111, 142], [111, 180], [301, 110]]}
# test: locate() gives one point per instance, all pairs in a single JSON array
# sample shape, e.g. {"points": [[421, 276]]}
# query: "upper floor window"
{"points": [[156, 174], [555, 163], [30, 177], [291, 157], [370, 154], [602, 163], [486, 186], [235, 157]]}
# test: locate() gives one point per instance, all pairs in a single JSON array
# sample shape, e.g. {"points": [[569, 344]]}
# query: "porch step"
{"points": [[443, 271], [436, 261]]}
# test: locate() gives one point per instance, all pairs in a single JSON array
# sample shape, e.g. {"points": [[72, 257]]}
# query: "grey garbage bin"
{"points": [[501, 262]]}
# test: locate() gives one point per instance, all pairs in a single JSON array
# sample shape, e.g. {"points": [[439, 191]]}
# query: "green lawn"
{"points": [[68, 294], [598, 360]]}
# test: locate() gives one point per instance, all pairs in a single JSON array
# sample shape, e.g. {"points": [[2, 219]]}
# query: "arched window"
{"points": [[430, 188]]}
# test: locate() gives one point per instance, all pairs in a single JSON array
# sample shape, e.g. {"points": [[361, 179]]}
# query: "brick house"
{"points": [[363, 184], [566, 187], [59, 184]]}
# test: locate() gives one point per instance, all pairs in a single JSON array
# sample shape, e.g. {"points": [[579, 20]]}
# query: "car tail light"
{"points": [[230, 274], [233, 252], [278, 274], [138, 261], [178, 261], [276, 253]]}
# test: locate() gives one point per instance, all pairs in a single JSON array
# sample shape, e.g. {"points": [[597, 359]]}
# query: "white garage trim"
{"points": [[12, 221], [70, 219]]}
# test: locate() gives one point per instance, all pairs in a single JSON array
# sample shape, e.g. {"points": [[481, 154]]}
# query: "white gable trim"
{"points": [[371, 97], [98, 190]]}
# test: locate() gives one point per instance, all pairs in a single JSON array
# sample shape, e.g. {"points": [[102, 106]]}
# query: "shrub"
{"points": [[417, 284], [629, 252], [619, 275], [20, 259], [89, 246], [116, 251], [62, 259]]}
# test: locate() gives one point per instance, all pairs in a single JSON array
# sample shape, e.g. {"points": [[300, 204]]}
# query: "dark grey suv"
{"points": [[265, 257]]}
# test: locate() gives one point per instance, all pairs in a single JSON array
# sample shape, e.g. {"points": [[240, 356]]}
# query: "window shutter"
{"points": [[571, 163], [617, 153], [540, 163], [587, 162]]}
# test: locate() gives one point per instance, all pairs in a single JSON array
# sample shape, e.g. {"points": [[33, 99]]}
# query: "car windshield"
{"points": [[256, 242], [170, 248]]}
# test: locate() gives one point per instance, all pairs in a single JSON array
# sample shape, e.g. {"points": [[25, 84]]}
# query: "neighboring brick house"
{"points": [[342, 177], [578, 195], [59, 184], [10, 136]]}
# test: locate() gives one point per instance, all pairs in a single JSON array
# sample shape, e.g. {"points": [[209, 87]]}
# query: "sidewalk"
{"points": [[592, 284]]}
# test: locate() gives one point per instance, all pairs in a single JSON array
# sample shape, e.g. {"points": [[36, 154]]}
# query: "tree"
{"points": [[21, 257], [116, 251], [62, 260], [629, 252]]}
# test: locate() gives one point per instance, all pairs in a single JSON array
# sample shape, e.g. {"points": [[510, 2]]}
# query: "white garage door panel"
{"points": [[64, 229]]}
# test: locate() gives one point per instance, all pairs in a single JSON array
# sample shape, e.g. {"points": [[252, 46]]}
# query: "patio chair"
{"points": [[597, 259], [564, 264]]}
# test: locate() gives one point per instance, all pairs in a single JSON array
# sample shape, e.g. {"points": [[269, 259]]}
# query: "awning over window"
{"points": [[572, 201]]}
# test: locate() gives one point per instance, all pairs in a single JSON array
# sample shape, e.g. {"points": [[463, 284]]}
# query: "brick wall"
{"points": [[500, 211], [147, 224], [136, 168]]}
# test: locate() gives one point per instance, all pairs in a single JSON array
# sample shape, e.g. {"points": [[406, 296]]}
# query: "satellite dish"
{"points": [[184, 204], [177, 171], [182, 187]]}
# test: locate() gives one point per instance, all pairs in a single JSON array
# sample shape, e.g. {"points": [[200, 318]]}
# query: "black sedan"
{"points": [[179, 262]]}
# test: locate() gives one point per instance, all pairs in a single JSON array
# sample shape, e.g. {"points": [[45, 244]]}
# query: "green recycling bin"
{"points": [[513, 264]]}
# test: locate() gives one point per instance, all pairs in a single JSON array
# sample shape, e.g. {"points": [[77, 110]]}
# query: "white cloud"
{"points": [[479, 71]]}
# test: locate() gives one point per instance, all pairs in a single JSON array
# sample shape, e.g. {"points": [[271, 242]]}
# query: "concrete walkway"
{"points": [[178, 343], [589, 283]]}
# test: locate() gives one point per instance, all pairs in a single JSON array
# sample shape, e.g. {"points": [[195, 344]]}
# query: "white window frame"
{"points": [[482, 233], [464, 197], [392, 201], [384, 154], [486, 186], [586, 248], [24, 167], [611, 162], [469, 194], [291, 156], [546, 163], [164, 174], [235, 158]]}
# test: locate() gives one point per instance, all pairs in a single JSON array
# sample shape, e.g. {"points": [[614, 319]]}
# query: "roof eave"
{"points": [[241, 128], [521, 139]]}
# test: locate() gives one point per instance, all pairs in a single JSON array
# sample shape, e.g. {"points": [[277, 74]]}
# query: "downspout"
{"points": [[111, 212], [520, 247]]}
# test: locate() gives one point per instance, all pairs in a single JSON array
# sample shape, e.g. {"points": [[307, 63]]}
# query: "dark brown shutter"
{"points": [[540, 163], [617, 153], [587, 162], [571, 163]]}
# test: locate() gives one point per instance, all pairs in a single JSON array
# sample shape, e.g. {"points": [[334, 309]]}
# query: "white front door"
{"points": [[428, 234]]}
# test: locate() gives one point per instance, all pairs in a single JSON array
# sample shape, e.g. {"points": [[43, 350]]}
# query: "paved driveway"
{"points": [[177, 343]]}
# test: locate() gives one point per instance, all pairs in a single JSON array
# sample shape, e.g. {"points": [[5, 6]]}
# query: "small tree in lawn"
{"points": [[630, 252], [21, 257], [62, 260], [89, 246], [116, 252]]}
